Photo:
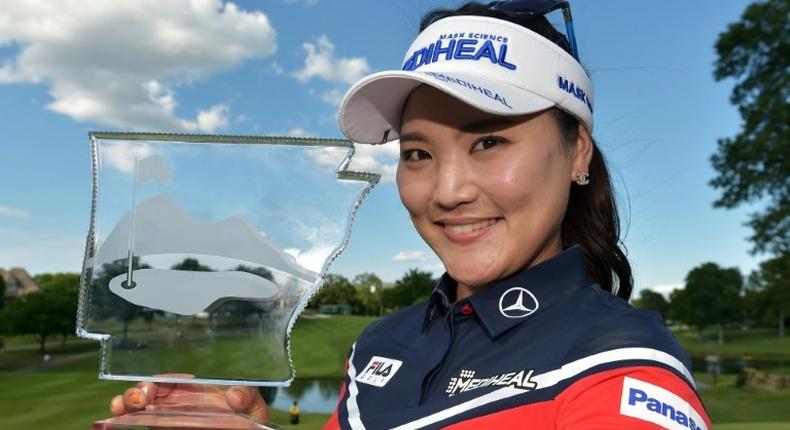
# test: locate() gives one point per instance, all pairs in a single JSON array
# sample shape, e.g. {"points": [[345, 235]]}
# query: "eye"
{"points": [[414, 155], [487, 142]]}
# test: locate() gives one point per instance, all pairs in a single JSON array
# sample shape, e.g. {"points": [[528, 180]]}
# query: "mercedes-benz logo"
{"points": [[517, 302]]}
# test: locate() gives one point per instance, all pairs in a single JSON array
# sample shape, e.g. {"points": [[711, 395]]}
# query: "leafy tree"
{"points": [[191, 264], [47, 312], [712, 296], [414, 286], [337, 290], [62, 289], [754, 164], [771, 286], [369, 290], [649, 299]]}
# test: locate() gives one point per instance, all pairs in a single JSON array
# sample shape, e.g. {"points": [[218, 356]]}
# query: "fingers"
{"points": [[116, 406], [248, 400], [134, 399]]}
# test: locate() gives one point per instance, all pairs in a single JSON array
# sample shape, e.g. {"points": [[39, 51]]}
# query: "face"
{"points": [[487, 193]]}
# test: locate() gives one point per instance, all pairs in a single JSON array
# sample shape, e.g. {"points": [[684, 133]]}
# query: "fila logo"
{"points": [[657, 405], [379, 371]]}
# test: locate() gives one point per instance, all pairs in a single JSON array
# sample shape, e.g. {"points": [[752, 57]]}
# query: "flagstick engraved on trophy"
{"points": [[129, 284]]}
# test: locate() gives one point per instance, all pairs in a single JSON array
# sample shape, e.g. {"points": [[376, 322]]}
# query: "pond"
{"points": [[313, 395]]}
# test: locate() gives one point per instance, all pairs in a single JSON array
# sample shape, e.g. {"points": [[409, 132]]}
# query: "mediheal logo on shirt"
{"points": [[379, 371], [659, 406]]}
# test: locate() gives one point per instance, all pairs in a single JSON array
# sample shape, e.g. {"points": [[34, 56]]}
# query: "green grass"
{"points": [[727, 403], [757, 343], [320, 346], [66, 394]]}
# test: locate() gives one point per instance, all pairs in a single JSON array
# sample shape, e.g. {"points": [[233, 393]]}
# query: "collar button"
{"points": [[467, 309]]}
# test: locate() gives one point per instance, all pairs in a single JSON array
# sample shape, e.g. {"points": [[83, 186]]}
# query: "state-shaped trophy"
{"points": [[202, 251]]}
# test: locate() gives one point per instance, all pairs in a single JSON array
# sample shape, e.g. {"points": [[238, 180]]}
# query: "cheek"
{"points": [[534, 181], [414, 192]]}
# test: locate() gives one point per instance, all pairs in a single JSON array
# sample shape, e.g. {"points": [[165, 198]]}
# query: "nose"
{"points": [[455, 184]]}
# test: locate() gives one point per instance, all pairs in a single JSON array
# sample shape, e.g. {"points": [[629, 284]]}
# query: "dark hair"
{"points": [[591, 218]]}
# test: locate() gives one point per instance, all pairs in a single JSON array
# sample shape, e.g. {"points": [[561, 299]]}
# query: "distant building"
{"points": [[18, 282]]}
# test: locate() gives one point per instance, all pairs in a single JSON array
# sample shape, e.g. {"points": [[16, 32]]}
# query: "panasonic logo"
{"points": [[652, 403]]}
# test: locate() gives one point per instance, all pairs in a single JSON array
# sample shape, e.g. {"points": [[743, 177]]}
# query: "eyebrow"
{"points": [[412, 137], [489, 124], [486, 125]]}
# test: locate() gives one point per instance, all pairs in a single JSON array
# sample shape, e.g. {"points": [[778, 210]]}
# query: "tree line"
{"points": [[51, 311], [717, 297]]}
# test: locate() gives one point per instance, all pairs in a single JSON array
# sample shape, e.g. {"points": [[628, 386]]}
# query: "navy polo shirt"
{"points": [[518, 345]]}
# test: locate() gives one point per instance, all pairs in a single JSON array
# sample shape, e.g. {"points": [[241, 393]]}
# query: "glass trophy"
{"points": [[201, 253]]}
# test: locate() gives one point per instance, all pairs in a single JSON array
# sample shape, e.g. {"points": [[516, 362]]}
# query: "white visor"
{"points": [[493, 65]]}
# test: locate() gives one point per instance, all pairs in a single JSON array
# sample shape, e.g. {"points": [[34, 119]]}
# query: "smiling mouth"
{"points": [[470, 228]]}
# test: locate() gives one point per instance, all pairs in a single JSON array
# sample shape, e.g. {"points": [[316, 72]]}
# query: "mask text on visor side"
{"points": [[460, 46]]}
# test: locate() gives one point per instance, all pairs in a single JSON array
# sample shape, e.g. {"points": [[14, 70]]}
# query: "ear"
{"points": [[582, 155]]}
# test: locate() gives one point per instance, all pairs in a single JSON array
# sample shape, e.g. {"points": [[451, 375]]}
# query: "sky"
{"points": [[280, 67]]}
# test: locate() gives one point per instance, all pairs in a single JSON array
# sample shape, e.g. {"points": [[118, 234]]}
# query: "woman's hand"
{"points": [[150, 396]]}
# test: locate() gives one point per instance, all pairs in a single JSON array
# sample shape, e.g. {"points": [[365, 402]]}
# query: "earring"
{"points": [[583, 178]]}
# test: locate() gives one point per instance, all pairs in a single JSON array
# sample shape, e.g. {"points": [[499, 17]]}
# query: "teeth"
{"points": [[468, 228]]}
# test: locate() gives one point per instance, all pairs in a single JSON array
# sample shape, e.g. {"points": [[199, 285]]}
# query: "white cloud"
{"points": [[122, 155], [667, 289], [381, 159], [412, 256], [119, 63], [6, 211], [213, 118], [299, 132], [332, 97], [312, 259], [322, 63]]}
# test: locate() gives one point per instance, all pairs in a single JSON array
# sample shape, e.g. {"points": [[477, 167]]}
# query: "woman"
{"points": [[501, 177]]}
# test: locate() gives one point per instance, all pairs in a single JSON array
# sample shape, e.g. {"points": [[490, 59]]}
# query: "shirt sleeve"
{"points": [[639, 397]]}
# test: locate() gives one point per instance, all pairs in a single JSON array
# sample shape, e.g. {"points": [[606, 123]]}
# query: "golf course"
{"points": [[64, 392]]}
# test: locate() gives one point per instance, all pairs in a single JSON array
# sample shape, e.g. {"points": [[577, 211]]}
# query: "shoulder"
{"points": [[404, 323], [620, 329]]}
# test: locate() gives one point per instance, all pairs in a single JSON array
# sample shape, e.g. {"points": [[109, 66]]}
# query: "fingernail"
{"points": [[135, 398], [145, 389]]}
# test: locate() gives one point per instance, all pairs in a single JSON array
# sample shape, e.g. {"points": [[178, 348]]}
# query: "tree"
{"points": [[369, 290], [337, 290], [649, 299], [191, 264], [712, 296], [414, 286], [754, 165], [62, 291], [47, 312], [771, 283]]}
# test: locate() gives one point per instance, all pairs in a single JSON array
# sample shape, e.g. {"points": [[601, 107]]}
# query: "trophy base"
{"points": [[162, 420]]}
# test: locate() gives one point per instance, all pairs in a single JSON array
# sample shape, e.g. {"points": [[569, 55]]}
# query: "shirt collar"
{"points": [[521, 296]]}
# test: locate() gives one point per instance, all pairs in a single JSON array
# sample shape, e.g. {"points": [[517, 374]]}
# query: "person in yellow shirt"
{"points": [[293, 411]]}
